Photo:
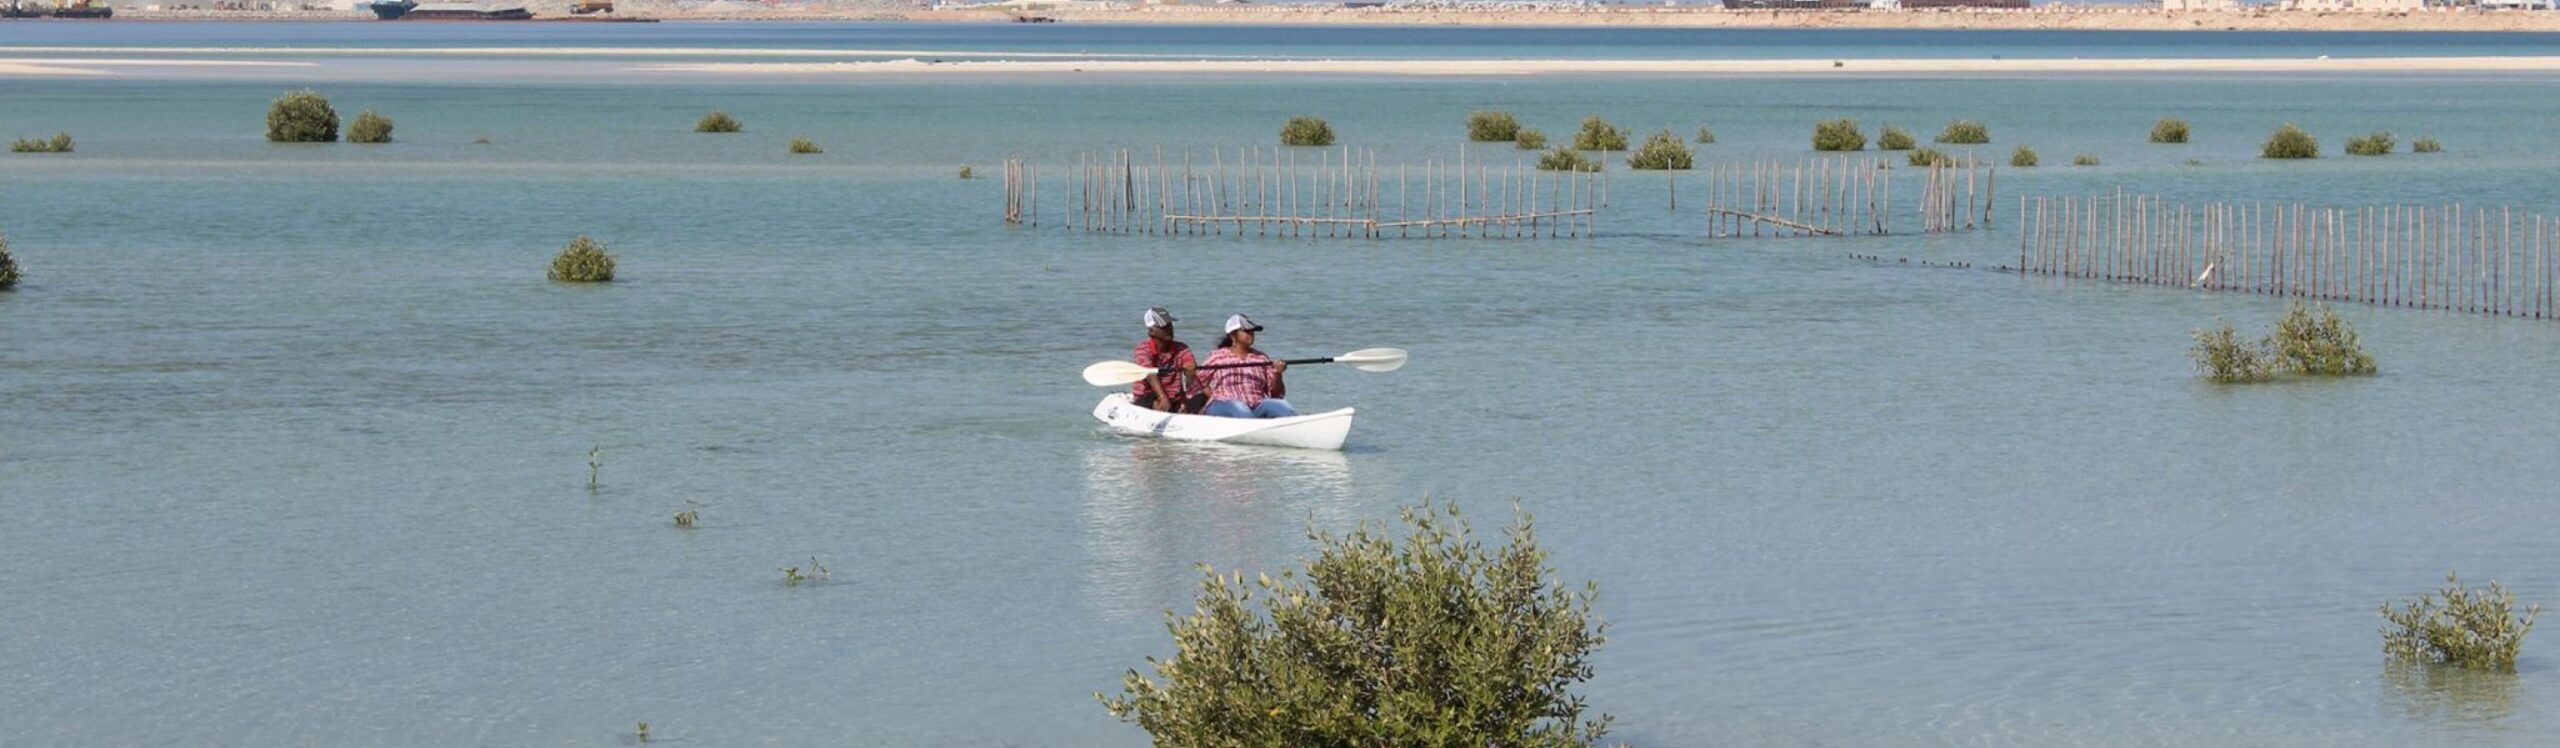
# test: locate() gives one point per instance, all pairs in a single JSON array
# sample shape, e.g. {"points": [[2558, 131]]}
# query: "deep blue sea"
{"points": [[295, 439]]}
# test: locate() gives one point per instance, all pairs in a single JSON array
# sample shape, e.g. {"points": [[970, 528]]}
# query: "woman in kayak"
{"points": [[1249, 391], [1175, 392]]}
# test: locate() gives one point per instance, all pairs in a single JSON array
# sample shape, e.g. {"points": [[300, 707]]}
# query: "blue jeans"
{"points": [[1271, 407]]}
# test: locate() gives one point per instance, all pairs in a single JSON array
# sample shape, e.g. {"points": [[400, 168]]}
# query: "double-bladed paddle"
{"points": [[1116, 373]]}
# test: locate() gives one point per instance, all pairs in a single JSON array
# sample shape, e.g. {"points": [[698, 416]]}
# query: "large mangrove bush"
{"points": [[2169, 130], [370, 127], [2304, 342], [8, 266], [583, 261], [302, 117], [1838, 135], [1430, 639], [2476, 629], [2290, 142], [1662, 151], [1492, 126], [1306, 131], [1598, 135]]}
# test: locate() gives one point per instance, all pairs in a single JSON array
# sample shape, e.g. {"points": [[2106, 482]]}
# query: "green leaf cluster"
{"points": [[1662, 151], [1965, 132], [8, 266], [1930, 157], [1598, 135], [1304, 130], [1529, 140], [583, 261], [2304, 342], [1431, 640], [2475, 629], [2376, 143], [2290, 142], [2425, 144], [1838, 135], [2023, 157], [2169, 130], [2223, 357], [370, 127], [302, 117], [1894, 139], [1492, 126], [801, 144], [59, 143], [1566, 159], [718, 121]]}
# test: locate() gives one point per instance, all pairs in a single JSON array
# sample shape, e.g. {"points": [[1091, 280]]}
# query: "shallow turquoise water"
{"points": [[297, 442]]}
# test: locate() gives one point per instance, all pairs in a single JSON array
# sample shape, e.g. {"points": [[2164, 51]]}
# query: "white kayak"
{"points": [[1318, 431]]}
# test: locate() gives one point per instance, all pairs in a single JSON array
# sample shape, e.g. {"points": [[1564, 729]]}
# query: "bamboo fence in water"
{"points": [[2483, 260], [1839, 196], [1341, 192]]}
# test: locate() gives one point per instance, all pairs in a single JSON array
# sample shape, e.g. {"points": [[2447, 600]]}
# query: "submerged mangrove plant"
{"points": [[2290, 142], [1431, 639], [1965, 132], [1705, 135], [1838, 135], [2376, 143], [2222, 356], [2425, 144], [1566, 159], [1894, 139], [370, 127], [2304, 342], [2085, 159], [59, 143], [302, 117], [801, 144], [1304, 130], [2169, 130], [8, 266], [2023, 157], [1662, 151], [1492, 126], [718, 121], [1930, 157], [1598, 135], [2474, 629], [583, 261], [1529, 140]]}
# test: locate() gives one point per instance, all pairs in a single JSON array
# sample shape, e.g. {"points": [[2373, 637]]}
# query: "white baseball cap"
{"points": [[1241, 322], [1158, 317]]}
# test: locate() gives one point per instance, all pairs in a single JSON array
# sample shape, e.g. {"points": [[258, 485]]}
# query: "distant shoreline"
{"points": [[2049, 18]]}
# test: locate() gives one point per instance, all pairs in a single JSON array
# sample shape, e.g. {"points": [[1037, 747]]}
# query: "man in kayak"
{"points": [[1175, 392], [1252, 390]]}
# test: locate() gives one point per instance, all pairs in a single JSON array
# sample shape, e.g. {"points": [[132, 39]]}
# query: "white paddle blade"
{"points": [[1373, 359], [1115, 373]]}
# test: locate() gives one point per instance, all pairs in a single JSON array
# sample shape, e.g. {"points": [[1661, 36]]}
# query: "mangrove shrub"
{"points": [[2290, 142], [583, 261], [1930, 157], [2169, 130], [1705, 135], [1529, 140], [718, 121], [1894, 139], [8, 266], [1427, 640], [1661, 151], [370, 127], [302, 117], [2475, 629], [2023, 157], [2425, 144], [803, 145], [1492, 126], [1566, 159], [1598, 135], [1838, 135], [1306, 131], [2084, 159], [2318, 345], [2376, 143], [1965, 132], [2223, 357], [59, 143]]}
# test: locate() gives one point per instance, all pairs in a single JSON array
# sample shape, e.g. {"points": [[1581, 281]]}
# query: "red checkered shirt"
{"points": [[1244, 384], [1175, 354]]}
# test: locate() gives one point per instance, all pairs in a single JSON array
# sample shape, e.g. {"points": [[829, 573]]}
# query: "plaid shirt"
{"points": [[1244, 384], [1174, 354]]}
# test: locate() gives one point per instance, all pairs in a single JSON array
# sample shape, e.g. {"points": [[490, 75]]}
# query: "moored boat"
{"points": [[1324, 430]]}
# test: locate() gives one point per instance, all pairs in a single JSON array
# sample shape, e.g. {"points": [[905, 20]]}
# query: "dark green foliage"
{"points": [[718, 121], [1930, 157], [1705, 135], [968, 173], [2169, 130], [1566, 159], [2223, 357], [2471, 629], [1894, 139], [1492, 126], [1529, 140], [8, 266], [59, 143], [1965, 132], [2318, 345], [803, 145], [1598, 135], [2084, 159], [302, 117], [1306, 131], [1661, 151], [370, 127], [1838, 135], [2425, 144], [2290, 142], [2023, 157], [2376, 143], [583, 261], [1431, 640]]}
